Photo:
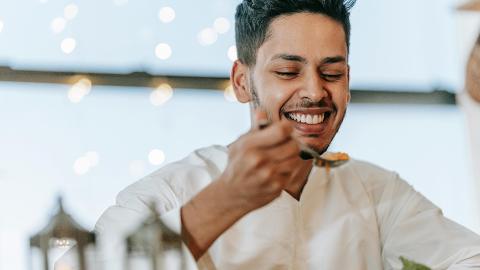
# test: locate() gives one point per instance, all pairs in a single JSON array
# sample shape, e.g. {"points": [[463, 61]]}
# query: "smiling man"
{"points": [[260, 203]]}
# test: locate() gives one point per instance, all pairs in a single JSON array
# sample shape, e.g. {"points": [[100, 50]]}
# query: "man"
{"points": [[257, 204]]}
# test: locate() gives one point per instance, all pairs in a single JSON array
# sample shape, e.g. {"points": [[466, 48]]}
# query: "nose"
{"points": [[314, 88]]}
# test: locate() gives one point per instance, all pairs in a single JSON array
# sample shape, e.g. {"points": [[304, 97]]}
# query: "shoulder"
{"points": [[378, 182], [388, 191], [169, 187], [369, 173], [177, 182]]}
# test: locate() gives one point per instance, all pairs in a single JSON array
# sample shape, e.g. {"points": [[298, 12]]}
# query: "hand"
{"points": [[260, 163], [259, 167]]}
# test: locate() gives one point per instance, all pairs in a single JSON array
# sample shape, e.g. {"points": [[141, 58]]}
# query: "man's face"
{"points": [[301, 74]]}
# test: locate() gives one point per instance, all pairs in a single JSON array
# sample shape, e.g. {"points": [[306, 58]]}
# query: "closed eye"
{"points": [[286, 74], [332, 77]]}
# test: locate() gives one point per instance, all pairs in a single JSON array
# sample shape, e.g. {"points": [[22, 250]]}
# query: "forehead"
{"points": [[312, 36]]}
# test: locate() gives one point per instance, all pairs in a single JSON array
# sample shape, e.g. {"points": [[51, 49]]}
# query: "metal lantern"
{"points": [[153, 246], [62, 234]]}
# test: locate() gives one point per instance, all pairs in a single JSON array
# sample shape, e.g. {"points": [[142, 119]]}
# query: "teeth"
{"points": [[307, 118]]}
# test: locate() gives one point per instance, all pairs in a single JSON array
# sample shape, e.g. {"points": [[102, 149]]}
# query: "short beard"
{"points": [[255, 103], [306, 156], [253, 92]]}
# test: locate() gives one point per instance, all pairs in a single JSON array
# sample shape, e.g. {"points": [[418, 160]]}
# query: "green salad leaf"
{"points": [[411, 265]]}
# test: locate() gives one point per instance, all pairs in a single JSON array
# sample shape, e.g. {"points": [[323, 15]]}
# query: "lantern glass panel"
{"points": [[172, 259], [140, 261], [57, 248]]}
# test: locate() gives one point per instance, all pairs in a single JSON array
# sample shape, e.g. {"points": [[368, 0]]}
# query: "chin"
{"points": [[315, 144]]}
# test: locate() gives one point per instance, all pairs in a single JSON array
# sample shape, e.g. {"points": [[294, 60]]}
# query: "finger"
{"points": [[272, 135], [285, 150], [286, 165]]}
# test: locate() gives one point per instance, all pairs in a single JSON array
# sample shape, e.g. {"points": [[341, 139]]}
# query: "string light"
{"points": [[232, 53], [221, 25], [163, 51], [68, 45], [58, 25], [161, 95], [166, 14], [63, 242], [207, 36], [229, 94], [156, 157], [70, 11]]}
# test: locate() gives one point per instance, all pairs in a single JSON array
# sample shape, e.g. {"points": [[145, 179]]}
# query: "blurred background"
{"points": [[96, 94]]}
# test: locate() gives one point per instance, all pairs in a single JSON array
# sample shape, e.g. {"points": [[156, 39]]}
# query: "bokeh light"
{"points": [[70, 11], [166, 14], [68, 45], [79, 90], [84, 163], [81, 166], [156, 157], [221, 25], [163, 51], [161, 94], [207, 36], [58, 25], [232, 53]]}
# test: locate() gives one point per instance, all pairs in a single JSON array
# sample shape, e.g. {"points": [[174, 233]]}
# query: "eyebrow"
{"points": [[289, 57], [333, 60], [297, 58]]}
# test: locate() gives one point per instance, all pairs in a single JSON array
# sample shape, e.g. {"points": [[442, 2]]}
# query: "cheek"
{"points": [[274, 96], [280, 97], [341, 96]]}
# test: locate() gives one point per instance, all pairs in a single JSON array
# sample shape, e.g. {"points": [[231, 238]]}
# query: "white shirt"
{"points": [[358, 217]]}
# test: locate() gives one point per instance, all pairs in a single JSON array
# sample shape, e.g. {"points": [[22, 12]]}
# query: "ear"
{"points": [[348, 82], [239, 80]]}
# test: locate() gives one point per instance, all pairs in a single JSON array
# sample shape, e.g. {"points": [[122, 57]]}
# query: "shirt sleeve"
{"points": [[131, 209], [412, 227]]}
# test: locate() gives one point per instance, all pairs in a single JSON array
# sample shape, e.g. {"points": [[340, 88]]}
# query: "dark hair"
{"points": [[253, 18]]}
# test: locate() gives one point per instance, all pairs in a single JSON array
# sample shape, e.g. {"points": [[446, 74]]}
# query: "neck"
{"points": [[299, 178]]}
